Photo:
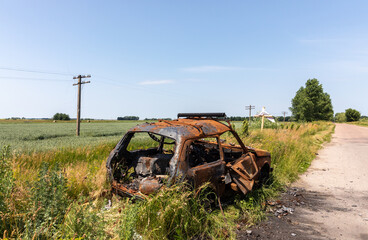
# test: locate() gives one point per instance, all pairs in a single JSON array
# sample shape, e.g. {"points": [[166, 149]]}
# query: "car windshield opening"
{"points": [[202, 151], [231, 149], [145, 155]]}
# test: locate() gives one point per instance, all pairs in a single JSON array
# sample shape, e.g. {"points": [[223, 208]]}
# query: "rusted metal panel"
{"points": [[122, 190], [149, 185], [245, 185], [183, 128], [211, 172], [243, 171], [245, 166]]}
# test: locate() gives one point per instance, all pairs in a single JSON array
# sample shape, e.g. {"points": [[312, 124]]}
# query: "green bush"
{"points": [[6, 178], [352, 115], [128, 221], [61, 116], [134, 118], [6, 185], [82, 221], [49, 204], [340, 117], [245, 128]]}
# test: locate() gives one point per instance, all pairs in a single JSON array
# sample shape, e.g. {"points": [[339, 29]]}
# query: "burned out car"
{"points": [[190, 149]]}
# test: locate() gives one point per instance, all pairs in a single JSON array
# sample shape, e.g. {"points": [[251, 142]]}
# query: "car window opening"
{"points": [[231, 151], [146, 155], [202, 151]]}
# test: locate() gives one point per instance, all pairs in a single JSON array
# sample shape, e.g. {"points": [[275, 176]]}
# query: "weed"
{"points": [[245, 128], [177, 213], [6, 185], [127, 229], [82, 221], [6, 178], [49, 204]]}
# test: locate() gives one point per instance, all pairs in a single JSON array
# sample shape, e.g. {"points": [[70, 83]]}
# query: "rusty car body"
{"points": [[189, 148]]}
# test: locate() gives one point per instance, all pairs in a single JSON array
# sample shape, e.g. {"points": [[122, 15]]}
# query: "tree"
{"points": [[311, 103], [128, 118], [236, 118], [61, 116], [340, 117], [352, 115]]}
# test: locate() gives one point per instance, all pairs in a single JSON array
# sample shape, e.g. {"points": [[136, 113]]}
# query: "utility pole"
{"points": [[79, 77], [250, 107], [284, 114]]}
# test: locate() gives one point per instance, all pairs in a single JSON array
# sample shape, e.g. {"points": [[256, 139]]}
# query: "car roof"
{"points": [[180, 129]]}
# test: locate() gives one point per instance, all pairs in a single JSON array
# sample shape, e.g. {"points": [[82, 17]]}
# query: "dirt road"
{"points": [[330, 200]]}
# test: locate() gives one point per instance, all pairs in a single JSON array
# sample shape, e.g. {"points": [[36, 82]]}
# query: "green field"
{"points": [[45, 135], [30, 136], [36, 136], [53, 184]]}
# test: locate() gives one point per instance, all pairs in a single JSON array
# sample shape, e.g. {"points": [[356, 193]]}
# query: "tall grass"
{"points": [[293, 146], [177, 213], [62, 193], [362, 122], [48, 204]]}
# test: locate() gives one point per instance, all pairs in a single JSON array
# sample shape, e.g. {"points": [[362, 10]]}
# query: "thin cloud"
{"points": [[205, 69], [192, 80], [351, 67], [156, 82], [322, 40], [211, 68]]}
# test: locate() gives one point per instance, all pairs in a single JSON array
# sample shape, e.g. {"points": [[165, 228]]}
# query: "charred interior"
{"points": [[142, 163], [202, 152]]}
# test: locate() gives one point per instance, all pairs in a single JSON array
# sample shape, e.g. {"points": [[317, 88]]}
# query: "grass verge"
{"points": [[361, 122], [62, 193]]}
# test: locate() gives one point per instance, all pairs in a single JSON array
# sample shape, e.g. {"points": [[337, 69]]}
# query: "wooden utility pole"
{"points": [[250, 107], [79, 77], [284, 114]]}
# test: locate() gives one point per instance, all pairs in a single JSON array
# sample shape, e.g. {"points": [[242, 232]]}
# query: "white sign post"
{"points": [[264, 114]]}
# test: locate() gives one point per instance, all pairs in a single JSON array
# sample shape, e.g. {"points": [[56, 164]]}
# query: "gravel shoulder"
{"points": [[330, 200]]}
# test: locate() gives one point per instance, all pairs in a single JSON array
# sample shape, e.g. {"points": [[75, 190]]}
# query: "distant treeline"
{"points": [[135, 118], [155, 119], [61, 116], [128, 118], [237, 118], [277, 118], [281, 118]]}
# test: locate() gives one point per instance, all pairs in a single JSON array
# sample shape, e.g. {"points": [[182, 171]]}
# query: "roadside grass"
{"points": [[293, 147], [361, 122], [77, 176]]}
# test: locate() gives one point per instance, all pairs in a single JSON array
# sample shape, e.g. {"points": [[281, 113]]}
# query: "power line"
{"points": [[34, 71], [138, 87], [36, 79]]}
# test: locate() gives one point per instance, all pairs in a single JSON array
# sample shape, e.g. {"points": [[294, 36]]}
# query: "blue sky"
{"points": [[158, 58]]}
